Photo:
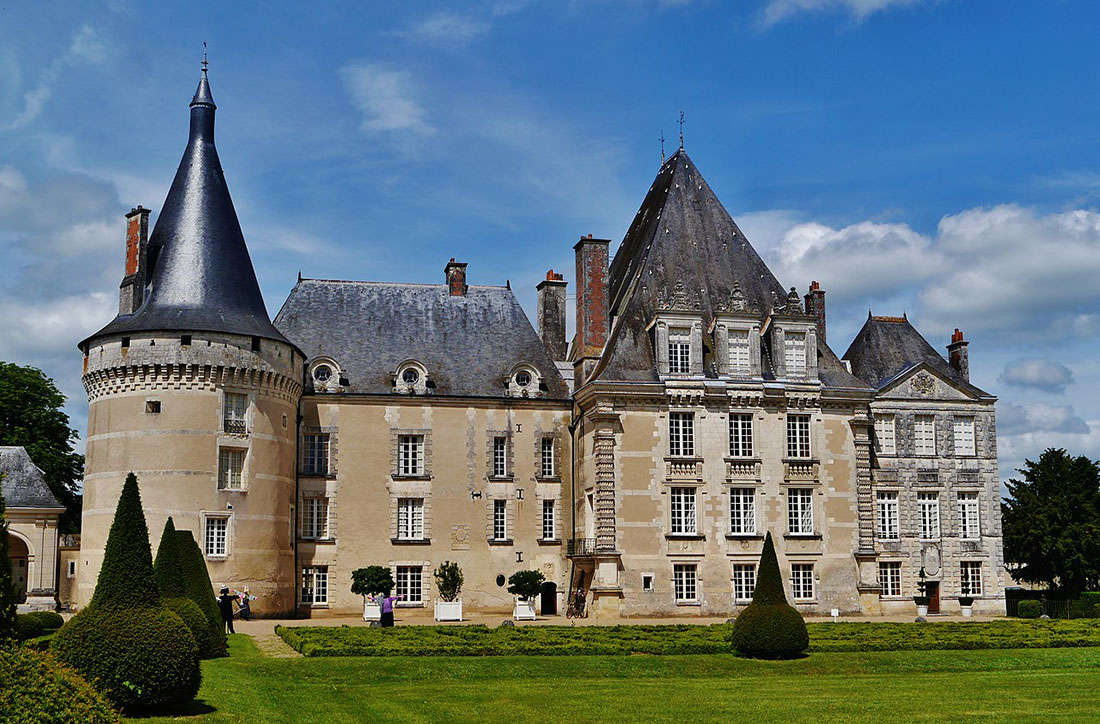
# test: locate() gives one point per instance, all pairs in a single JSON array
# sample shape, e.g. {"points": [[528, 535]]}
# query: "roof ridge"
{"points": [[399, 284]]}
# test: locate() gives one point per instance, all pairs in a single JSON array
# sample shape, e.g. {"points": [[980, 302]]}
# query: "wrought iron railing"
{"points": [[576, 547], [235, 427]]}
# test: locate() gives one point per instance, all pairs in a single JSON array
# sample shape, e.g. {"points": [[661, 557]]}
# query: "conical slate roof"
{"points": [[200, 276]]}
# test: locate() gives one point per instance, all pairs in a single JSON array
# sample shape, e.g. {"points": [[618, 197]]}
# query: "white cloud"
{"points": [[34, 330], [1039, 417], [85, 47], [1038, 373], [778, 10], [386, 98], [444, 28]]}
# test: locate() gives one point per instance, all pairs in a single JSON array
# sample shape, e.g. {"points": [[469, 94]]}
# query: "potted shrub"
{"points": [[922, 605], [448, 581], [525, 586], [966, 603], [372, 581]]}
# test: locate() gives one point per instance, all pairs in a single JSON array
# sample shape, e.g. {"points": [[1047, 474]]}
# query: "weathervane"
{"points": [[662, 140], [204, 64], [681, 130]]}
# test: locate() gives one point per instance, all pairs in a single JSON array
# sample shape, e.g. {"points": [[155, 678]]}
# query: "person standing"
{"points": [[225, 605], [244, 605], [387, 611]]}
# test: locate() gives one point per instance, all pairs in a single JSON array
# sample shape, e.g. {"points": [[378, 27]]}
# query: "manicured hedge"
{"points": [[211, 642], [34, 624], [1029, 609], [35, 688]]}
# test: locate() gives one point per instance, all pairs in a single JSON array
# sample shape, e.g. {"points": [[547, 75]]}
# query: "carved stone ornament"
{"points": [[736, 301], [680, 300], [794, 302], [923, 384], [930, 559]]}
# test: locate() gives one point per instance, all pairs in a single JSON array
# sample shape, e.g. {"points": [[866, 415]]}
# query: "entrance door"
{"points": [[933, 588], [20, 568], [549, 602]]}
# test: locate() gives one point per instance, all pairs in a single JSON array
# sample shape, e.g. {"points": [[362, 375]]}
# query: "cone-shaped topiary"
{"points": [[166, 566], [7, 587], [126, 576], [769, 628], [169, 571], [210, 640], [196, 579]]}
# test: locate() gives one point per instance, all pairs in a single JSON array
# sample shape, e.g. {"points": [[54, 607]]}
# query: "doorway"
{"points": [[933, 588], [549, 599], [20, 567]]}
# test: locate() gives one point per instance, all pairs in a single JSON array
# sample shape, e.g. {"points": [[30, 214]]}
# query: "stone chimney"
{"points": [[456, 278], [592, 303], [958, 355], [551, 314], [132, 290], [815, 305]]}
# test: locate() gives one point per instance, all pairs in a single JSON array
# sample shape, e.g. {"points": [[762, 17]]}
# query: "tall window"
{"points": [[546, 450], [800, 511], [963, 434], [679, 350], [235, 413], [742, 511], [215, 536], [970, 578], [740, 435], [410, 454], [500, 457], [887, 515], [549, 520], [969, 528], [230, 469], [889, 575], [684, 582], [794, 353], [500, 519], [885, 440], [802, 581], [410, 584], [315, 517], [410, 518], [681, 434], [924, 435], [798, 436], [928, 505], [744, 581], [683, 521], [315, 455], [739, 353], [315, 585]]}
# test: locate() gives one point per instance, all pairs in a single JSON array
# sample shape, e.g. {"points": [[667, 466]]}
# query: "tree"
{"points": [[126, 578], [525, 584], [31, 416], [371, 581], [448, 581], [7, 589], [168, 567], [769, 627], [1051, 523]]}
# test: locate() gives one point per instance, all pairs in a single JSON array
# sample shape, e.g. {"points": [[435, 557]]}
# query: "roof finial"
{"points": [[204, 63], [681, 130], [662, 140]]}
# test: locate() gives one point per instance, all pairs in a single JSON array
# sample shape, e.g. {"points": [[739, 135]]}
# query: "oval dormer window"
{"points": [[410, 376], [523, 378], [322, 373]]}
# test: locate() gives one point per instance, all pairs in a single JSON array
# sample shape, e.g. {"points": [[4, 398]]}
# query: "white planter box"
{"points": [[967, 611], [372, 611], [922, 611], [448, 610], [525, 610]]}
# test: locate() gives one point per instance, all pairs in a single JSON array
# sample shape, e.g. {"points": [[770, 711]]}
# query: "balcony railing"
{"points": [[235, 427], [580, 547]]}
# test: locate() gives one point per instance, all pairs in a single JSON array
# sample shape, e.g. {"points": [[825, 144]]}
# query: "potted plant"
{"points": [[966, 603], [448, 581], [525, 586], [371, 581], [922, 605]]}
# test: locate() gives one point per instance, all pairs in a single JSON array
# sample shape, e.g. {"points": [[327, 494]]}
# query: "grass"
{"points": [[1018, 685]]}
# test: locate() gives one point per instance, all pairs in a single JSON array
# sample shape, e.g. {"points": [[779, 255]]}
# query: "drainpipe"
{"points": [[575, 423], [294, 581]]}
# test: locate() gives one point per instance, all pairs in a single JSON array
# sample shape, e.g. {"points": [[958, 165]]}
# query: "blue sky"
{"points": [[934, 157]]}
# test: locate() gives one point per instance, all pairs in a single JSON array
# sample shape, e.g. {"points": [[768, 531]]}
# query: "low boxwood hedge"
{"points": [[34, 624], [1029, 609], [35, 688]]}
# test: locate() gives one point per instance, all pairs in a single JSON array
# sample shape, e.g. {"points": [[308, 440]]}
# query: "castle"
{"points": [[698, 407]]}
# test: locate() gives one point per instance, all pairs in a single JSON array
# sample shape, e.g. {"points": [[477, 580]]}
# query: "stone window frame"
{"points": [[229, 447], [973, 565], [330, 518], [973, 420], [974, 496], [661, 325], [695, 501], [756, 488], [509, 455], [814, 592], [224, 410], [896, 521], [509, 520], [396, 433], [332, 384], [922, 452], [895, 577], [556, 437], [892, 419], [696, 598], [751, 414], [315, 568], [694, 415], [737, 566], [227, 516], [723, 324], [814, 531], [425, 581], [534, 388], [555, 508], [779, 329], [333, 448], [422, 385], [937, 497]]}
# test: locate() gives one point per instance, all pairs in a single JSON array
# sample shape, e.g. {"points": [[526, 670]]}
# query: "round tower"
{"points": [[193, 389]]}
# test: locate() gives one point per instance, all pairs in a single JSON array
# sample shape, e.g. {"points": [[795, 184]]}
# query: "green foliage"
{"points": [[126, 577], [141, 659], [1082, 608], [197, 585], [172, 575], [35, 688], [769, 628], [448, 581], [210, 640], [1029, 609], [1051, 523], [371, 581], [167, 568], [34, 624], [7, 582], [525, 584], [31, 416], [40, 643]]}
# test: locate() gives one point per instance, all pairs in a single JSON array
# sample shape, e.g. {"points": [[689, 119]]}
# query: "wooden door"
{"points": [[933, 596]]}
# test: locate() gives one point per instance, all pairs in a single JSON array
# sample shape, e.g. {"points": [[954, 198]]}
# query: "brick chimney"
{"points": [[815, 305], [456, 278], [551, 312], [592, 302], [958, 355], [132, 289]]}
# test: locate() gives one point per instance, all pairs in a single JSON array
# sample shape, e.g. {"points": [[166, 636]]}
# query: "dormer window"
{"points": [[322, 373], [739, 358], [325, 375], [524, 381], [794, 353], [678, 342], [411, 378], [679, 350]]}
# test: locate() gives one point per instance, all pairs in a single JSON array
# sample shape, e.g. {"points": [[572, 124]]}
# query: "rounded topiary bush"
{"points": [[769, 628], [1028, 609], [211, 643], [48, 619], [35, 688], [178, 582], [28, 626]]}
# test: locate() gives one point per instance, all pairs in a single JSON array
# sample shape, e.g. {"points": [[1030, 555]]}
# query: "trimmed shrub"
{"points": [[40, 643], [448, 581], [372, 581], [769, 627], [126, 576], [196, 583], [166, 566], [1081, 608], [525, 584], [34, 624], [36, 688], [211, 642], [169, 570], [1029, 609]]}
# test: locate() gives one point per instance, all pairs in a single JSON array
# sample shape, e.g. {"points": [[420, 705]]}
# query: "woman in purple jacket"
{"points": [[387, 610]]}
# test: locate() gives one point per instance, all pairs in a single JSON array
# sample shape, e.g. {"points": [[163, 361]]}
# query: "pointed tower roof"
{"points": [[200, 276]]}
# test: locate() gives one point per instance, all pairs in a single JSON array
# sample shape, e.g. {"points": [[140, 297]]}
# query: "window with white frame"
{"points": [[314, 585], [798, 436], [800, 511], [928, 509], [744, 581], [410, 518], [215, 536], [889, 577], [500, 457], [500, 519], [679, 350], [794, 353], [70, 569], [315, 517], [742, 511], [684, 582], [549, 520], [885, 438], [969, 520], [962, 429], [410, 584], [315, 453], [970, 574], [682, 501], [802, 581], [681, 434], [740, 435], [230, 469], [235, 413], [410, 454], [924, 435], [546, 452], [740, 364], [887, 515]]}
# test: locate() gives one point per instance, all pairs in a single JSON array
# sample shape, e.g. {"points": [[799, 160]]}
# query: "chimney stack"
{"points": [[815, 305], [456, 278], [958, 355], [592, 303], [132, 289], [551, 313]]}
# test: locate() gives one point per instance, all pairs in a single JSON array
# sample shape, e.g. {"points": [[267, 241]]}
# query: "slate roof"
{"points": [[23, 484], [468, 344], [199, 275], [889, 346], [682, 233]]}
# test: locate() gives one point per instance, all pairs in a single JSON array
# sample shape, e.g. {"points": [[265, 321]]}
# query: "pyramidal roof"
{"points": [[200, 276]]}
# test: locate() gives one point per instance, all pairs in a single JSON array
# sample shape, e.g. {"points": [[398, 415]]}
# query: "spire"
{"points": [[202, 93]]}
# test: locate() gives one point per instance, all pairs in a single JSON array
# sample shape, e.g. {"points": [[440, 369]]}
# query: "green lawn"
{"points": [[1016, 685]]}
